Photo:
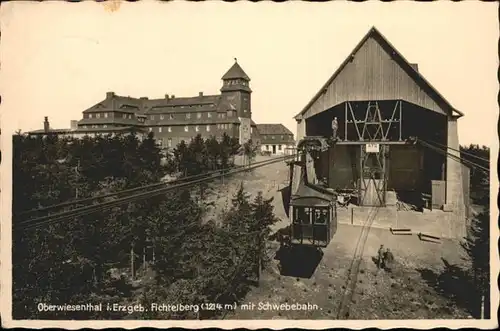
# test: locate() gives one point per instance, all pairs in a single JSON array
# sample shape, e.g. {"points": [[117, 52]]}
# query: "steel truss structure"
{"points": [[372, 127], [373, 135]]}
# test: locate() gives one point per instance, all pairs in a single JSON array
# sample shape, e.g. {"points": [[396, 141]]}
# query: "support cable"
{"points": [[455, 157], [45, 220], [132, 190], [456, 150]]}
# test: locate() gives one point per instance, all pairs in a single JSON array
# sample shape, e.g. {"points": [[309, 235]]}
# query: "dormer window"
{"points": [[90, 115], [98, 115]]}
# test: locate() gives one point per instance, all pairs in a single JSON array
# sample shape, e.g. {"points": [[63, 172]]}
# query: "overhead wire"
{"points": [[50, 219], [131, 190], [455, 157], [456, 150]]}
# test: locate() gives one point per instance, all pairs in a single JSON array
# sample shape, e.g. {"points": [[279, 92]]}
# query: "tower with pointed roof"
{"points": [[236, 90]]}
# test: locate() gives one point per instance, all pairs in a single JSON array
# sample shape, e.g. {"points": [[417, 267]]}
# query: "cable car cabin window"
{"points": [[320, 216], [302, 215]]}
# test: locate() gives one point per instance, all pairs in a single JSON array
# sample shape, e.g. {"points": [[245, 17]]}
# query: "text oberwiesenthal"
{"points": [[175, 307]]}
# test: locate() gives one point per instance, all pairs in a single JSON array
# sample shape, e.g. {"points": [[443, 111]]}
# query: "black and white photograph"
{"points": [[249, 164]]}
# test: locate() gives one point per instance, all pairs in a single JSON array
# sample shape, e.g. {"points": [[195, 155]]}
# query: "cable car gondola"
{"points": [[312, 210]]}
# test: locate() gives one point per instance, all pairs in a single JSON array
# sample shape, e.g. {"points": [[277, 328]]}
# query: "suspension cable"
{"points": [[456, 150], [136, 197], [131, 190], [455, 157]]}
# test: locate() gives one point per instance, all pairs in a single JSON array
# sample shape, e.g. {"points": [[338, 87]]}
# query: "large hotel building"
{"points": [[173, 119]]}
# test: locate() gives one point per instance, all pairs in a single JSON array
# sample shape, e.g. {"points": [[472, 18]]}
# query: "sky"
{"points": [[60, 58]]}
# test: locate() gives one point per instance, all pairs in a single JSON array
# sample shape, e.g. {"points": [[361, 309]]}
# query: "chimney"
{"points": [[166, 96], [46, 126], [73, 124], [110, 95], [414, 66], [201, 94], [172, 96]]}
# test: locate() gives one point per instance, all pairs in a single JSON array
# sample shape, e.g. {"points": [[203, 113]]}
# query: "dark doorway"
{"points": [[274, 149]]}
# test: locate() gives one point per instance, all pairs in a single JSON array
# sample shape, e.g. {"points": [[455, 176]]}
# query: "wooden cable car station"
{"points": [[382, 105]]}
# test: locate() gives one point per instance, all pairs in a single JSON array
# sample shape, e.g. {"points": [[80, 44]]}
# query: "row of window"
{"points": [[282, 137], [105, 115], [211, 105], [196, 128], [95, 126], [162, 117], [98, 115], [279, 147], [236, 82], [306, 215], [188, 115]]}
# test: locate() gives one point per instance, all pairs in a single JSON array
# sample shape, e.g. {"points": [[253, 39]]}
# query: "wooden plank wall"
{"points": [[342, 175], [372, 75], [404, 168]]}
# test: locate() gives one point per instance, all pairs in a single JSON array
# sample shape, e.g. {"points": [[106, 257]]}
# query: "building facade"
{"points": [[381, 103], [173, 119], [275, 139], [75, 132]]}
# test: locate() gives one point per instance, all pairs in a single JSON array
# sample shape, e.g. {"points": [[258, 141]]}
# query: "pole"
{"points": [[400, 119], [482, 306], [352, 216], [345, 122], [132, 261]]}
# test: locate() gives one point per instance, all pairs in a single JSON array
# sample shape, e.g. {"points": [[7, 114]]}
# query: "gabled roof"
{"points": [[308, 195], [116, 103], [235, 72], [410, 68], [276, 129], [183, 101]]}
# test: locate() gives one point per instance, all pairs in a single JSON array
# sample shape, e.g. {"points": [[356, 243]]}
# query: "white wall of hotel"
{"points": [[278, 149]]}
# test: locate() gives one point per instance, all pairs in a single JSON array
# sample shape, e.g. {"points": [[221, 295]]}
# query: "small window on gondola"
{"points": [[320, 216], [302, 215], [305, 216]]}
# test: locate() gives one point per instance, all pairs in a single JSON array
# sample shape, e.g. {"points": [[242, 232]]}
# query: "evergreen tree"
{"points": [[477, 248], [264, 218], [250, 151]]}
